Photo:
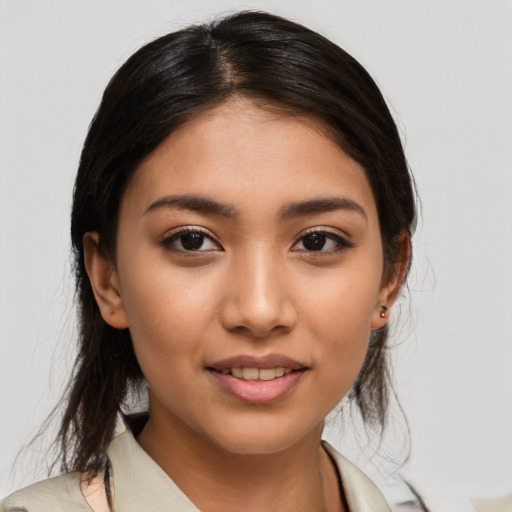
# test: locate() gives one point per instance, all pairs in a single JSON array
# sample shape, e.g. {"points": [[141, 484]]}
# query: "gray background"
{"points": [[444, 66]]}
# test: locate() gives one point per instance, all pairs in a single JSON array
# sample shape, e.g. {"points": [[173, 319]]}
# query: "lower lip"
{"points": [[258, 391]]}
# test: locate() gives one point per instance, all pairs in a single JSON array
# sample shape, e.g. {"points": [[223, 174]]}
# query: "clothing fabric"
{"points": [[140, 485]]}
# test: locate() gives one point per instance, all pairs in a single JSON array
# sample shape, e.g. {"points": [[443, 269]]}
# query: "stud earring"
{"points": [[383, 310]]}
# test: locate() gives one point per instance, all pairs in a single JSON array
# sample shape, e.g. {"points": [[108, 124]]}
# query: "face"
{"points": [[248, 270]]}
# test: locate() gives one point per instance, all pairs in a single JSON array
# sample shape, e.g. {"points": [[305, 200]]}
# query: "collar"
{"points": [[140, 483], [361, 493]]}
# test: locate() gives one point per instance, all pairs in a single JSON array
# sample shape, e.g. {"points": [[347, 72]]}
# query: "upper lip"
{"points": [[266, 361]]}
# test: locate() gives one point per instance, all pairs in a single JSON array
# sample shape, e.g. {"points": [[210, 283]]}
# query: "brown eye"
{"points": [[314, 241], [192, 241], [322, 242]]}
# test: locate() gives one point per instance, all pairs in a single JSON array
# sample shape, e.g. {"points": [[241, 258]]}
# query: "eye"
{"points": [[322, 241], [190, 240]]}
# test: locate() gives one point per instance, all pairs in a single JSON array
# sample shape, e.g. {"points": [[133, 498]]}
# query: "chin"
{"points": [[263, 439]]}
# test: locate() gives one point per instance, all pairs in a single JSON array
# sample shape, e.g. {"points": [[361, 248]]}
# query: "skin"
{"points": [[252, 288]]}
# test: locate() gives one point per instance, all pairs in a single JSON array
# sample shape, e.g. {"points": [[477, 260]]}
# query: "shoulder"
{"points": [[59, 494]]}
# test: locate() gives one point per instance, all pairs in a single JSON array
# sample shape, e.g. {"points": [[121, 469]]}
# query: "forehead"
{"points": [[239, 151]]}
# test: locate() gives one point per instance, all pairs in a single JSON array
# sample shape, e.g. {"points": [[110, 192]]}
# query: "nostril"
{"points": [[259, 332]]}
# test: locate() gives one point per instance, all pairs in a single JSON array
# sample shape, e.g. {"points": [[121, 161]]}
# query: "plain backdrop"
{"points": [[445, 68]]}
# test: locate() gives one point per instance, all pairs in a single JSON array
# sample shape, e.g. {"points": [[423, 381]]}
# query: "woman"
{"points": [[242, 222]]}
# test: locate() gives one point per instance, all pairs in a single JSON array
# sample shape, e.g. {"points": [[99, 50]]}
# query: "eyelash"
{"points": [[342, 244], [169, 240]]}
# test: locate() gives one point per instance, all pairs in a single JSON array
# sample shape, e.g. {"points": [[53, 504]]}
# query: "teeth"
{"points": [[237, 372], [248, 373], [267, 374]]}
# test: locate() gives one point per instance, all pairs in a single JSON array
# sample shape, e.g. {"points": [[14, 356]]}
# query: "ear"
{"points": [[392, 283], [104, 282]]}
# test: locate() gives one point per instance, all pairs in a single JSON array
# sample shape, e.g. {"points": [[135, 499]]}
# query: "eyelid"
{"points": [[343, 241], [175, 233]]}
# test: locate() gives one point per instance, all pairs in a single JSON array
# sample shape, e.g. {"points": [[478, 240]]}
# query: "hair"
{"points": [[252, 55]]}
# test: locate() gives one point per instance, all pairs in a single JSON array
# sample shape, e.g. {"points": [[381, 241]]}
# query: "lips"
{"points": [[257, 380], [266, 361]]}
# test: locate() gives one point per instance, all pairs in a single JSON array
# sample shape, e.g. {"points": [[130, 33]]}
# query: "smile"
{"points": [[250, 373], [257, 380]]}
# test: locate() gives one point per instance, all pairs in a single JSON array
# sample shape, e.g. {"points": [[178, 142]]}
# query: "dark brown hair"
{"points": [[254, 55]]}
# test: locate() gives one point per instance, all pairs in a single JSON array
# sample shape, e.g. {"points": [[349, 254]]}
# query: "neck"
{"points": [[299, 478]]}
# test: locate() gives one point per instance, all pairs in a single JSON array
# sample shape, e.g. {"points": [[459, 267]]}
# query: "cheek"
{"points": [[342, 303], [340, 361], [158, 293], [340, 312], [168, 311], [344, 350]]}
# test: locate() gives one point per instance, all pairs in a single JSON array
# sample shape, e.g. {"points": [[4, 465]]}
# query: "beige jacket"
{"points": [[140, 485]]}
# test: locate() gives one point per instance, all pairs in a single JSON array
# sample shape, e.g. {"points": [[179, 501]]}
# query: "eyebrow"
{"points": [[195, 203], [297, 209], [321, 205]]}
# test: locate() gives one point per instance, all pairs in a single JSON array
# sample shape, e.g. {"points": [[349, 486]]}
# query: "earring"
{"points": [[383, 310]]}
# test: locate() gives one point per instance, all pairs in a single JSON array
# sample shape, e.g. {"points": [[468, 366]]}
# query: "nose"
{"points": [[258, 301]]}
